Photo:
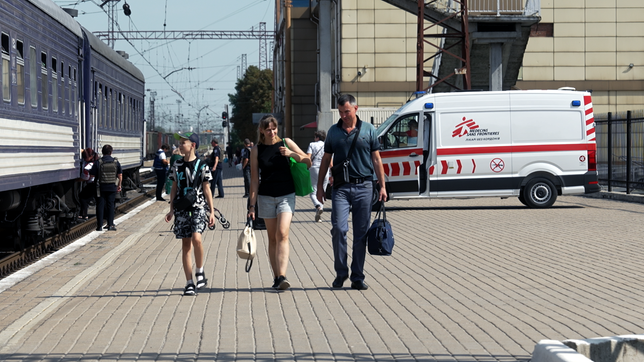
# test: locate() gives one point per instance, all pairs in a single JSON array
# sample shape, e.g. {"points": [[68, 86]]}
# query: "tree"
{"points": [[253, 96]]}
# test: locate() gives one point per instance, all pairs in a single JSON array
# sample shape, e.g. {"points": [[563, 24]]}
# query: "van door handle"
{"points": [[413, 154]]}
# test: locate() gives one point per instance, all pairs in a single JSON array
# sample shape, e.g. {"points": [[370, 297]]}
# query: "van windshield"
{"points": [[384, 125]]}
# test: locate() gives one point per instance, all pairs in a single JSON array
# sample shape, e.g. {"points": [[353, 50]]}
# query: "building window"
{"points": [[6, 57], [44, 85]]}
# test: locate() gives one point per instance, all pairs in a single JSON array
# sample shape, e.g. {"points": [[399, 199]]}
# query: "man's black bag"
{"points": [[380, 237]]}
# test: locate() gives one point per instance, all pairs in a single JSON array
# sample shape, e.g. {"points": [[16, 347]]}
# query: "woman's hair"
{"points": [[89, 155], [321, 134], [263, 125]]}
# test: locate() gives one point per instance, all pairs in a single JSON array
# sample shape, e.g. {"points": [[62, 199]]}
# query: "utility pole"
{"points": [[179, 114], [151, 117]]}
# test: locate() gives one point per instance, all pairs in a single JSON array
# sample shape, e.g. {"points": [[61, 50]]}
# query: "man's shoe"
{"points": [[111, 228], [282, 284], [219, 197], [276, 282], [338, 282], [245, 195], [160, 199], [99, 229], [359, 285], [318, 214], [201, 280]]}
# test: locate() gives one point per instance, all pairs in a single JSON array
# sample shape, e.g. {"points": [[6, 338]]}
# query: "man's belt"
{"points": [[357, 180]]}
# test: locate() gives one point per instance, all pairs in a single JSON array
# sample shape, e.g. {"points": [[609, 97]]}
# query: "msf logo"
{"points": [[464, 128]]}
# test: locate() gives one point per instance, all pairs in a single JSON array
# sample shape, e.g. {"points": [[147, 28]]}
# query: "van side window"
{"points": [[403, 133]]}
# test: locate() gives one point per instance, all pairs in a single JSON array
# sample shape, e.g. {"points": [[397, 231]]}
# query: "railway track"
{"points": [[11, 262]]}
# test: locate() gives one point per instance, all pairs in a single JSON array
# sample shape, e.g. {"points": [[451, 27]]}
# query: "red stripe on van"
{"points": [[473, 165], [589, 111], [395, 169], [431, 170], [416, 165], [406, 168], [509, 149], [444, 170], [385, 166], [460, 166]]}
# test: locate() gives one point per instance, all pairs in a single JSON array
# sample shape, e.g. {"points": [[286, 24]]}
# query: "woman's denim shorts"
{"points": [[270, 206]]}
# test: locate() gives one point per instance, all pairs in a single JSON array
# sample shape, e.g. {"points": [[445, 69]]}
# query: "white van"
{"points": [[531, 144]]}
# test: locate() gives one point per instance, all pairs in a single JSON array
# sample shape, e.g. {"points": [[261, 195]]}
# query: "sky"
{"points": [[213, 63]]}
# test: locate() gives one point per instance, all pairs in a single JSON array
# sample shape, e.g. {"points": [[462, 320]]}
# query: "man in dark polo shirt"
{"points": [[354, 196]]}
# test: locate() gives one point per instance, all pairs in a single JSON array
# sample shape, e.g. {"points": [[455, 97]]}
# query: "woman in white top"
{"points": [[315, 152]]}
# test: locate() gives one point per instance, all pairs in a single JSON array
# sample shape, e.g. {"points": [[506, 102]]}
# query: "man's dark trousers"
{"points": [[160, 182], [217, 180], [246, 181], [354, 198], [105, 206]]}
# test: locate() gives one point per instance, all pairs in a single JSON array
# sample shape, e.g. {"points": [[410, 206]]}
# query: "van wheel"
{"points": [[522, 198], [540, 193]]}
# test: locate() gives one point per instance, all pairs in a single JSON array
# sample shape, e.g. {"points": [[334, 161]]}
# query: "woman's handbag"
{"points": [[247, 244], [380, 237], [301, 177]]}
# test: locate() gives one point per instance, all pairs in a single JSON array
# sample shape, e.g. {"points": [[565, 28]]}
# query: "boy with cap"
{"points": [[190, 223]]}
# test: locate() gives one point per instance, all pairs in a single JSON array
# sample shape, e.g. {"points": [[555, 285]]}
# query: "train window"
{"points": [[119, 107], [71, 90], [44, 86], [110, 110], [54, 85], [6, 89], [63, 87], [33, 80], [20, 72], [99, 105]]}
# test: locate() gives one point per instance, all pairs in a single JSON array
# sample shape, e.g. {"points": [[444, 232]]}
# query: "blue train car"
{"points": [[113, 98], [62, 90]]}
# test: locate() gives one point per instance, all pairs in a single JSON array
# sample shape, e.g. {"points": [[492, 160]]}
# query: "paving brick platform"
{"points": [[470, 280]]}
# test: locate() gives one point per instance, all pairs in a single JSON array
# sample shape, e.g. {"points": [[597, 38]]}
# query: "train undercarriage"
{"points": [[32, 214]]}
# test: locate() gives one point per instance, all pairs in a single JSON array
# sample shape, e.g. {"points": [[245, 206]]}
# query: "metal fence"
{"points": [[491, 7], [620, 151]]}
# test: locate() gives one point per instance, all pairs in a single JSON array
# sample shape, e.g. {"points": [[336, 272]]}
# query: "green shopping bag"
{"points": [[301, 177]]}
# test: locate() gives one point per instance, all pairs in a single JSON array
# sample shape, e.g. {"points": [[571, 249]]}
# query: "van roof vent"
{"points": [[567, 89]]}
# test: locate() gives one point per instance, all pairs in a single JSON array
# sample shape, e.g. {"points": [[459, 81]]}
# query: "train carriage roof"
{"points": [[58, 14], [109, 53]]}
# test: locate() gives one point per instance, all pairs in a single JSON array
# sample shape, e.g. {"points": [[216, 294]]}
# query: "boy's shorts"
{"points": [[188, 222]]}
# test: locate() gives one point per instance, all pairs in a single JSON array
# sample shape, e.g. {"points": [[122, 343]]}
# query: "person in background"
{"points": [[315, 152], [88, 193], [229, 153], [160, 166], [214, 162], [109, 178], [245, 160], [274, 193], [176, 154], [190, 224]]}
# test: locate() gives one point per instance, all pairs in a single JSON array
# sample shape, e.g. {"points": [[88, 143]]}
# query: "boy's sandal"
{"points": [[190, 290], [201, 282]]}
